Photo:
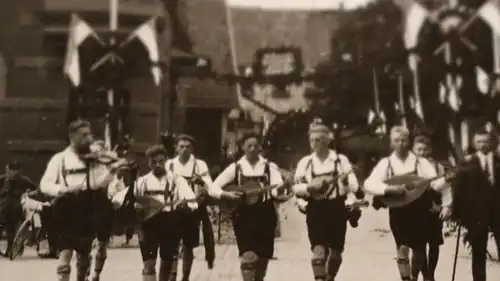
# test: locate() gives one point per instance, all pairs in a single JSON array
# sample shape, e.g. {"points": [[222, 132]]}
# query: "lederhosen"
{"points": [[435, 222], [410, 224], [327, 218], [191, 220], [254, 225], [75, 216], [162, 230], [106, 218]]}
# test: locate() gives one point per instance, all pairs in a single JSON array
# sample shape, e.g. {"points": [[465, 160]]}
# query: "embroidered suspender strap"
{"points": [[64, 172], [171, 166], [390, 170], [416, 167], [193, 173]]}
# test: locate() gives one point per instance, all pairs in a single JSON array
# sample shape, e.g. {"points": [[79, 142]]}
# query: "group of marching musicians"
{"points": [[324, 185]]}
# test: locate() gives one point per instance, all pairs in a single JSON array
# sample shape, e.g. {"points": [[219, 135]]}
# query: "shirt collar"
{"points": [[261, 161], [482, 155], [410, 158], [178, 161], [332, 156]]}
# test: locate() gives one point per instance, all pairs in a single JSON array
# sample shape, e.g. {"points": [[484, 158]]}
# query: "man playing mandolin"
{"points": [[161, 197], [195, 171], [409, 223], [73, 180], [328, 185], [259, 183]]}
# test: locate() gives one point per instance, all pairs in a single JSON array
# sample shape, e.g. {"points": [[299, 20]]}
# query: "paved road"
{"points": [[369, 256]]}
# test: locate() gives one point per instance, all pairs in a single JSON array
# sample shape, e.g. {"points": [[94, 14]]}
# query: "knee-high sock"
{"points": [[403, 261], [175, 267], [261, 269], [187, 263], [417, 262], [333, 264], [248, 266], [166, 266], [64, 267], [100, 259], [82, 266], [148, 270], [318, 262]]}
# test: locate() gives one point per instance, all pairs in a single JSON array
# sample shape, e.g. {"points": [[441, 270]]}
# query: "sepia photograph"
{"points": [[250, 140]]}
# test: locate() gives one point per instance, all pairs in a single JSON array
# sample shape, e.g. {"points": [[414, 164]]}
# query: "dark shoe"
{"points": [[210, 264], [48, 255]]}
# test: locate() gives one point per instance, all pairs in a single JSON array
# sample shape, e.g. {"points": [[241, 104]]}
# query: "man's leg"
{"points": [[333, 263], [168, 256], [318, 262], [208, 237], [64, 265], [187, 261], [100, 258], [478, 241], [248, 265], [261, 270], [403, 260], [83, 259], [417, 261], [432, 262]]}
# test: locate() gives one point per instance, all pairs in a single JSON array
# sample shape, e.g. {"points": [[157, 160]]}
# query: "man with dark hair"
{"points": [[12, 186], [196, 172], [73, 179], [162, 229], [476, 196], [422, 148]]}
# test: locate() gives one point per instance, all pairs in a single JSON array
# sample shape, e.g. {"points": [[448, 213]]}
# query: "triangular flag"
{"points": [[146, 33], [79, 30], [482, 80]]}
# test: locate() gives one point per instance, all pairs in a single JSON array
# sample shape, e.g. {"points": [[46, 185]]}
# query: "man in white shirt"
{"points": [[409, 224], [327, 236], [195, 171], [162, 227], [254, 224], [73, 179], [476, 193]]}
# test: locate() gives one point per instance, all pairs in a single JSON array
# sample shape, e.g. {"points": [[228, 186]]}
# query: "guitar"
{"points": [[323, 185]]}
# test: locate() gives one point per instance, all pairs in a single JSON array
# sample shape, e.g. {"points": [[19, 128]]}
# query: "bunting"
{"points": [[177, 15]]}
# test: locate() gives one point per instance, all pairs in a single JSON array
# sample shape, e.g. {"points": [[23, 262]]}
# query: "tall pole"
{"points": [[113, 27]]}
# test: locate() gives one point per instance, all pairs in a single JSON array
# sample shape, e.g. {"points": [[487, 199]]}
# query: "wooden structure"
{"points": [[33, 90]]}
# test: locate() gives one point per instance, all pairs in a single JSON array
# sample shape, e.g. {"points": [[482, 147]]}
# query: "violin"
{"points": [[98, 154]]}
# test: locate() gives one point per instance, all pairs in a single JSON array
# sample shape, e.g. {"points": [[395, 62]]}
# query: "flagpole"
{"points": [[401, 100], [113, 27]]}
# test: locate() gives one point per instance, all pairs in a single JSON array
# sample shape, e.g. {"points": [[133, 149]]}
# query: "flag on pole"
{"points": [[490, 13], [79, 31], [414, 18], [178, 20], [147, 35]]}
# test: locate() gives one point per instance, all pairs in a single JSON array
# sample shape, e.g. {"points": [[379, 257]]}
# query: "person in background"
{"points": [[196, 172], [12, 187], [422, 148]]}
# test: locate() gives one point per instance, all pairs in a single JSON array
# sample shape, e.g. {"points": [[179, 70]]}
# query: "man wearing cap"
{"points": [[422, 148], [327, 237], [196, 172], [409, 223]]}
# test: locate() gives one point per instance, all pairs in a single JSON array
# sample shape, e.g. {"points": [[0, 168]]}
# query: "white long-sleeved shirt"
{"points": [[66, 169], [151, 186], [246, 169], [311, 164], [191, 168], [375, 185]]}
